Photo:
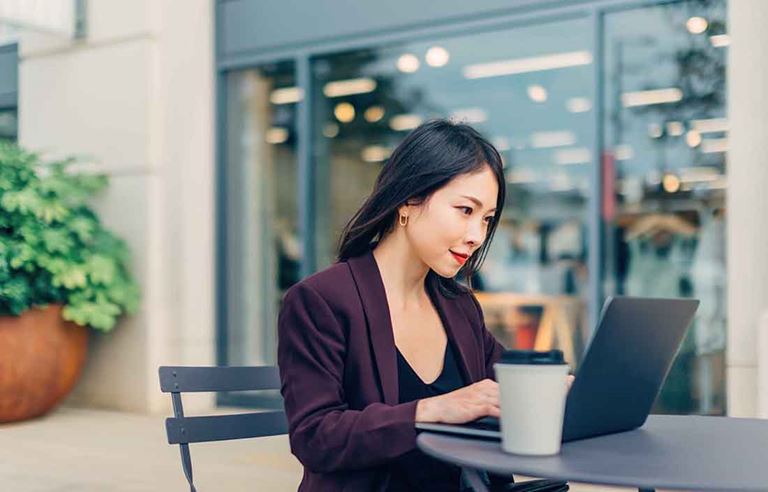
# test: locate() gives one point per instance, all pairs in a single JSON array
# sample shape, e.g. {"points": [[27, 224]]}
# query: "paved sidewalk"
{"points": [[91, 450], [83, 450]]}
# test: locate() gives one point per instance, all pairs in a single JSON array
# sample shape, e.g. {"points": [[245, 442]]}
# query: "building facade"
{"points": [[241, 135]]}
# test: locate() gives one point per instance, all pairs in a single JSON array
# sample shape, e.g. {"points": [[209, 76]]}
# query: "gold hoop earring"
{"points": [[403, 222]]}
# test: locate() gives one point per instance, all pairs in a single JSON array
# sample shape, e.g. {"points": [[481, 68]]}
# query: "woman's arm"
{"points": [[325, 435]]}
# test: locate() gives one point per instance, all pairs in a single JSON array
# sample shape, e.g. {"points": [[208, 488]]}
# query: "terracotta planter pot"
{"points": [[41, 357]]}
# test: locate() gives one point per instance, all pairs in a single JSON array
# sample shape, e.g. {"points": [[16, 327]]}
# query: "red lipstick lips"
{"points": [[461, 259]]}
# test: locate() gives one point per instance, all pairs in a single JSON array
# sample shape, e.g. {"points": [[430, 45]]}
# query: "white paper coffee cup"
{"points": [[532, 390]]}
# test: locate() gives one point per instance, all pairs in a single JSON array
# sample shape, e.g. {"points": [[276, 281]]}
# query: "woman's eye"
{"points": [[468, 210], [489, 220]]}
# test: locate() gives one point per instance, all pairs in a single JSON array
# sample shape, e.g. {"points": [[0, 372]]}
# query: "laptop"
{"points": [[621, 375]]}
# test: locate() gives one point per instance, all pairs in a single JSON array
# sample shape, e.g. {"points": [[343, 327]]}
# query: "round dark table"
{"points": [[670, 452]]}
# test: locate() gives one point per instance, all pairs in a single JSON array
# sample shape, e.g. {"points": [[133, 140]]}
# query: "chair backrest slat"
{"points": [[197, 379], [183, 430], [224, 427]]}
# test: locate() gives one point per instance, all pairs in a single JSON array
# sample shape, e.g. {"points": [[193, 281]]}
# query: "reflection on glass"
{"points": [[529, 90], [263, 249], [664, 202]]}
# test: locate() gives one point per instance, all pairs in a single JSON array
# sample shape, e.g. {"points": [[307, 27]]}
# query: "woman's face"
{"points": [[452, 224]]}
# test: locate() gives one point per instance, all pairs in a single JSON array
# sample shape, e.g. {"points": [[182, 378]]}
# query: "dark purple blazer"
{"points": [[338, 366]]}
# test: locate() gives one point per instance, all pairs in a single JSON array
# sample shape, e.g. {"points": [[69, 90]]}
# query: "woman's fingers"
{"points": [[478, 400]]}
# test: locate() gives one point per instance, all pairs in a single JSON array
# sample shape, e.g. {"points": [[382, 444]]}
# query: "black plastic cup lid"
{"points": [[550, 357]]}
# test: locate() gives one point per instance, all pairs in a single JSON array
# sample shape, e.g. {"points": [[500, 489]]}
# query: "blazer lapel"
{"points": [[367, 277]]}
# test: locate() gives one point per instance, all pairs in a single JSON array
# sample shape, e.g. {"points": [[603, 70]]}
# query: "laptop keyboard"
{"points": [[485, 423]]}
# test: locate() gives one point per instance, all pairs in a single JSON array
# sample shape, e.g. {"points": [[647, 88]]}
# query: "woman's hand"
{"points": [[469, 403]]}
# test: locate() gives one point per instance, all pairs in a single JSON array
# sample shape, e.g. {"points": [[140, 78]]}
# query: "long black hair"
{"points": [[426, 160]]}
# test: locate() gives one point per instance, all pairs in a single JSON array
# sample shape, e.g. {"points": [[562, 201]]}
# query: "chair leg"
{"points": [[186, 464], [474, 480]]}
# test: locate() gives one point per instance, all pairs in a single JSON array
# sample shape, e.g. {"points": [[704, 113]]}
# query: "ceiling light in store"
{"points": [[537, 93], [437, 56], [470, 115], [344, 112], [276, 135], [403, 122], [720, 184], [339, 88], [561, 182], [711, 125], [578, 105], [526, 65], [330, 130], [655, 96], [286, 95], [714, 145], [543, 140], [697, 25], [671, 183], [408, 63], [693, 138], [375, 153], [579, 155], [521, 176], [675, 128], [701, 174], [623, 152], [501, 143], [655, 131], [373, 114], [720, 40]]}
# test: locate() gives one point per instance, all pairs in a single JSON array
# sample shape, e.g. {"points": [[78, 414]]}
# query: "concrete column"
{"points": [[137, 97], [747, 203]]}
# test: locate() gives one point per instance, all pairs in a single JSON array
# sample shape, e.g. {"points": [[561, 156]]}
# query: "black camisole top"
{"points": [[415, 470]]}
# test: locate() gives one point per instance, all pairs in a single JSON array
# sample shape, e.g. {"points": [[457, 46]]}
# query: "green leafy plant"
{"points": [[53, 249]]}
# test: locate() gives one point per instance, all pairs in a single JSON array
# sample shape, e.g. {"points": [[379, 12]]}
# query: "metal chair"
{"points": [[183, 430]]}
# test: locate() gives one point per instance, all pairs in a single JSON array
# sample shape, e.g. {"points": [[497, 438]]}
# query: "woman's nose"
{"points": [[475, 234]]}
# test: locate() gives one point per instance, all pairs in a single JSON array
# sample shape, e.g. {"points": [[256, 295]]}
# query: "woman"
{"points": [[386, 337]]}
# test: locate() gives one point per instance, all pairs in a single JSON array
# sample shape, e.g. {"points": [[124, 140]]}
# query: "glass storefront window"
{"points": [[263, 248], [666, 135], [530, 90]]}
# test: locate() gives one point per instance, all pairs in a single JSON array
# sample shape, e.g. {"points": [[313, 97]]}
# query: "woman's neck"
{"points": [[402, 272]]}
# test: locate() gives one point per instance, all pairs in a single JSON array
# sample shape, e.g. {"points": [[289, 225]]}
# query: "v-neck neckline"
{"points": [[413, 371]]}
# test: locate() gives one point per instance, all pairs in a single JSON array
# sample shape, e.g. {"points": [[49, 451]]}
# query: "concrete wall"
{"points": [[747, 208], [137, 97]]}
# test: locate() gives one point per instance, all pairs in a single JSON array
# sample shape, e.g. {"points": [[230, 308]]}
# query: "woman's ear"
{"points": [[411, 208]]}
